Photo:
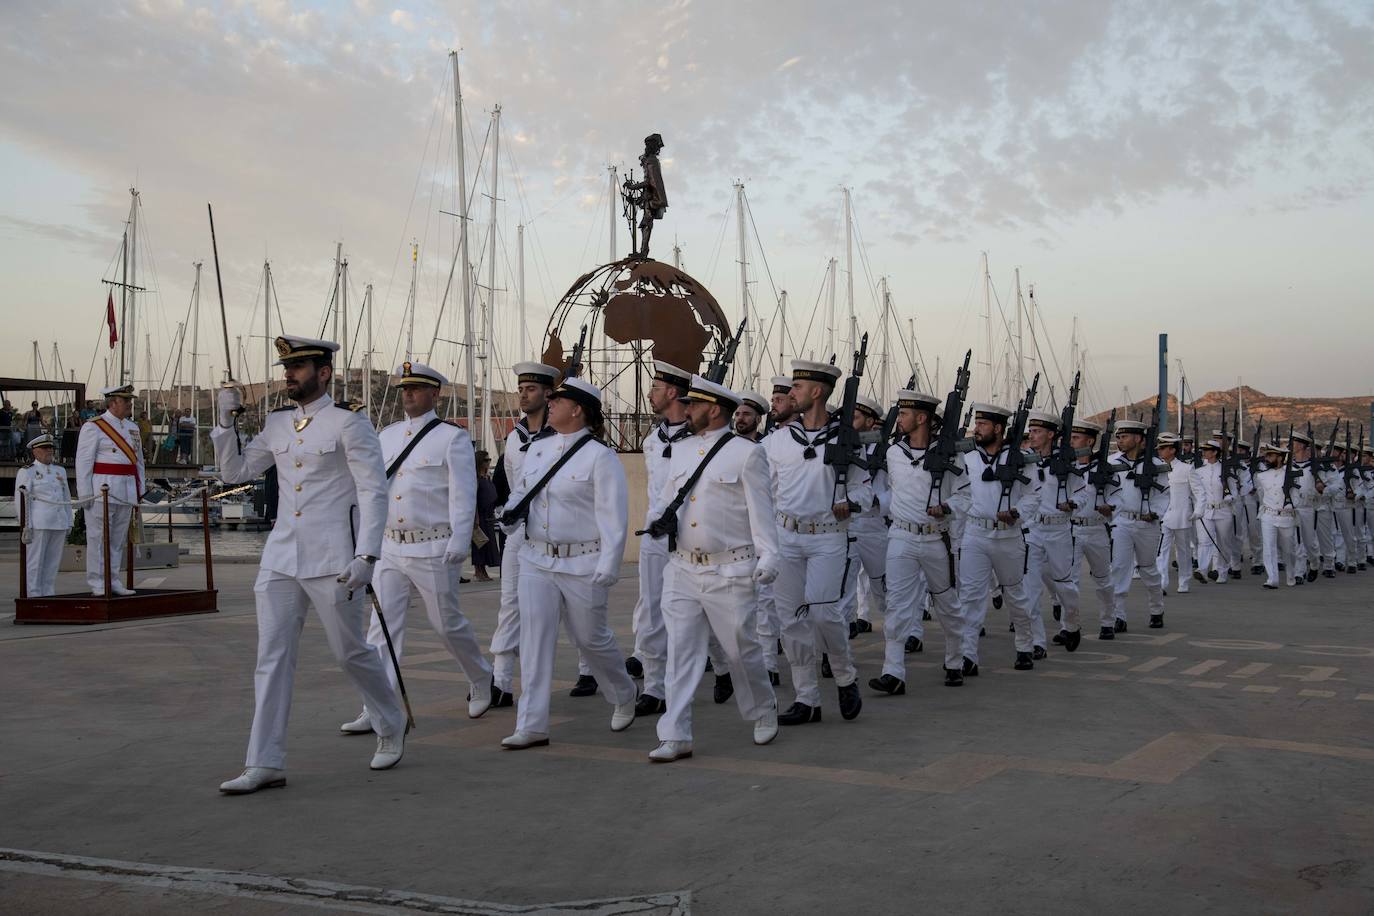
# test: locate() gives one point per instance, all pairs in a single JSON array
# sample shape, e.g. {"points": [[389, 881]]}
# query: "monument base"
{"points": [[86, 608]]}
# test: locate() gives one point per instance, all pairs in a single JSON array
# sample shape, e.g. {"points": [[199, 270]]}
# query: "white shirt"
{"points": [[93, 446], [1129, 497], [985, 497], [1269, 488], [1211, 500], [804, 488], [658, 451], [332, 501], [47, 507], [435, 486], [908, 495], [1180, 514]]}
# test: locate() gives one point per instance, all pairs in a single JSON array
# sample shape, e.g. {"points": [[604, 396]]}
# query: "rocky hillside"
{"points": [[1322, 413]]}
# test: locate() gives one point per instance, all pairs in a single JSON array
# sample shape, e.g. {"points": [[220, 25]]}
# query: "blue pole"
{"points": [[1162, 419]]}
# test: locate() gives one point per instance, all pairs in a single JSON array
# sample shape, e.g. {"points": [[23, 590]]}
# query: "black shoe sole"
{"points": [[1072, 640], [898, 691], [525, 747]]}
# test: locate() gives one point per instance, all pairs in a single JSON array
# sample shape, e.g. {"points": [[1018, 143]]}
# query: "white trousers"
{"points": [[120, 517], [1255, 527], [651, 640], [1135, 547], [1051, 569], [868, 568], [546, 598], [980, 559], [1093, 545], [44, 556], [695, 605], [505, 639], [1280, 545], [1177, 545], [1326, 537], [1308, 553], [768, 627], [812, 569], [1350, 552], [1240, 544], [1214, 547], [917, 566], [396, 580], [281, 605]]}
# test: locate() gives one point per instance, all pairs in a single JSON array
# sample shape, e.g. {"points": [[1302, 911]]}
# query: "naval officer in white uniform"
{"points": [[432, 499], [47, 516], [321, 551], [109, 454]]}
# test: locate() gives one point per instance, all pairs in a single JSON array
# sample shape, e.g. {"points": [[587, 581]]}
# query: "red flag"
{"points": [[110, 320]]}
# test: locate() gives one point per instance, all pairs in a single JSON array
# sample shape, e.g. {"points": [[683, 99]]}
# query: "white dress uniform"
{"points": [[1343, 516], [431, 503], [332, 507], [1305, 502], [1136, 539], [813, 566], [1278, 519], [48, 517], [726, 530], [1050, 561], [1212, 498], [103, 462], [1178, 526], [1092, 541], [574, 533], [868, 541]]}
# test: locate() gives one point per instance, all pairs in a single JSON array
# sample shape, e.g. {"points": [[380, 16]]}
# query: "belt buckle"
{"points": [[698, 557]]}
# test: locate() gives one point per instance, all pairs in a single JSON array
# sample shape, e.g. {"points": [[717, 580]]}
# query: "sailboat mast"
{"points": [[267, 348], [195, 357], [849, 271], [489, 317], [782, 332], [123, 306], [463, 240], [885, 392], [343, 307], [367, 357], [133, 282], [523, 337], [747, 378], [410, 306], [987, 326], [831, 282]]}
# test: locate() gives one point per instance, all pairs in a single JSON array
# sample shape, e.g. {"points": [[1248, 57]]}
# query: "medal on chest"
{"points": [[300, 423]]}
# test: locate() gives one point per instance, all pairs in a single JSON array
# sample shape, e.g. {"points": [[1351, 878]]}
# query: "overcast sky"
{"points": [[1202, 169]]}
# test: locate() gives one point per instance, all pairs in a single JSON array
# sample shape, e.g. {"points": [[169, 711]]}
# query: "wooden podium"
{"points": [[83, 607]]}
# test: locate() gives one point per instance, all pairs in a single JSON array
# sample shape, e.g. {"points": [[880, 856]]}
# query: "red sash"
{"points": [[126, 448]]}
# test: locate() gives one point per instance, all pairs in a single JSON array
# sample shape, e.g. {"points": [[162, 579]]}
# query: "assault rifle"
{"points": [[1224, 458], [1101, 474], [574, 368], [1197, 443], [842, 451], [877, 461], [1063, 457], [1291, 475], [1322, 460], [1254, 448], [1009, 471], [1146, 477], [1348, 472], [942, 456], [716, 371]]}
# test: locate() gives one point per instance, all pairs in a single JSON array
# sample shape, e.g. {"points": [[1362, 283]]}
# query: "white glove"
{"points": [[228, 400], [456, 552], [765, 575], [26, 536], [604, 579], [357, 575]]}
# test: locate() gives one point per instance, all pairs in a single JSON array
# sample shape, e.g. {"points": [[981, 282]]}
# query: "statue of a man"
{"points": [[651, 197]]}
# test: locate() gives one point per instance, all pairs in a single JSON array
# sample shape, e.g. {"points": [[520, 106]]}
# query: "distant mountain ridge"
{"points": [[1278, 411]]}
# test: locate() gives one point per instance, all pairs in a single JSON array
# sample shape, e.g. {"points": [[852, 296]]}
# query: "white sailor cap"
{"points": [[119, 391], [1167, 439], [43, 441], [993, 412], [1087, 427], [584, 393], [755, 400], [1218, 434], [667, 372], [782, 384], [416, 375], [538, 373], [1044, 419], [1298, 435], [917, 400], [1242, 444], [1130, 426], [1274, 448], [699, 389], [1212, 444], [806, 370], [868, 405], [289, 348]]}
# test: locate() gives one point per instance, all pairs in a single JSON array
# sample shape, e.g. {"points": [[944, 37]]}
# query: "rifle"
{"points": [[1100, 474], [841, 452], [1320, 460], [1348, 473], [1009, 472], [1291, 475], [715, 372], [1197, 443], [574, 367], [942, 456], [1064, 458], [1146, 478], [1254, 448], [1224, 458], [877, 460]]}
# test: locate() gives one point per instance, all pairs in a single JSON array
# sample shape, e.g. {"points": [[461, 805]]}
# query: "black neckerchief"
{"points": [[823, 435], [911, 456], [522, 429], [989, 462], [683, 432]]}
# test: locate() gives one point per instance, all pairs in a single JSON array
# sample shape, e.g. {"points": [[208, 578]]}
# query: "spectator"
{"points": [[145, 437], [33, 423], [7, 450], [489, 553], [186, 436]]}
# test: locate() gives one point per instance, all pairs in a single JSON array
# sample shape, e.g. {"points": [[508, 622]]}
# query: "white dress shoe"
{"points": [[359, 726], [389, 750], [766, 727], [521, 740], [253, 779], [669, 751], [118, 589], [622, 717], [479, 700]]}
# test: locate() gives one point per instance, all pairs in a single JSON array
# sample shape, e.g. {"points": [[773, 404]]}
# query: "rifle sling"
{"points": [[405, 452], [671, 511], [521, 509]]}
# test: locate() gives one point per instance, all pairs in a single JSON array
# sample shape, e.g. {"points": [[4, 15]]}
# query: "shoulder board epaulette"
{"points": [[282, 409]]}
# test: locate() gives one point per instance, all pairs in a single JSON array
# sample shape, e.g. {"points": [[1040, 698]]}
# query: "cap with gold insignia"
{"points": [[584, 393], [1168, 439], [538, 373], [667, 372], [869, 406], [805, 370], [1043, 419], [119, 391], [1130, 426], [1211, 445], [782, 384], [1087, 427], [289, 348], [1275, 449], [1242, 445], [1298, 435], [43, 441], [993, 412], [417, 375], [916, 400], [755, 400], [699, 389]]}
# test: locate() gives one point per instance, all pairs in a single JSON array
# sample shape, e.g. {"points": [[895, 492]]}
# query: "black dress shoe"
{"points": [[1071, 640], [799, 714], [1120, 625], [1235, 574], [970, 669], [997, 601], [1199, 577], [1328, 574], [463, 580], [774, 678], [1258, 570], [1311, 575], [1350, 569], [585, 686], [853, 628], [1212, 575], [1107, 633], [1156, 621], [863, 625], [954, 677], [925, 615], [779, 652], [913, 645], [1361, 567], [1038, 652], [1270, 587], [1057, 611], [634, 667], [825, 666], [982, 631], [851, 701], [1058, 638], [1173, 564], [501, 698], [709, 666], [1011, 628], [1340, 567], [1023, 661], [724, 690], [889, 685], [648, 705]]}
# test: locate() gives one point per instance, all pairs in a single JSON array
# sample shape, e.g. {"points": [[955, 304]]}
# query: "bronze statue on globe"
{"points": [[648, 197]]}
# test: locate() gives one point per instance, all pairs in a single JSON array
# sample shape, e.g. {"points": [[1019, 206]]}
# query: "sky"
{"points": [[1201, 169]]}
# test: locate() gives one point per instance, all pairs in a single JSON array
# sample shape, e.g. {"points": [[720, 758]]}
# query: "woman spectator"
{"points": [[488, 553]]}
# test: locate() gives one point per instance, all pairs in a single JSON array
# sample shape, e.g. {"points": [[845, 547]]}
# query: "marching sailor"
{"points": [[716, 495], [993, 543], [1139, 508], [534, 383], [1305, 502], [329, 467], [1342, 510], [433, 499], [1277, 517], [571, 495], [1177, 544], [868, 531], [1212, 500], [1050, 557], [47, 516], [109, 454], [813, 567], [747, 423], [1092, 536], [920, 551], [782, 409]]}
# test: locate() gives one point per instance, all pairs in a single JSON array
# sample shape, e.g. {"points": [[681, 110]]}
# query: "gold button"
{"points": [[298, 515], [690, 498], [298, 488], [300, 441], [398, 496], [298, 464], [693, 525], [407, 432], [701, 451]]}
